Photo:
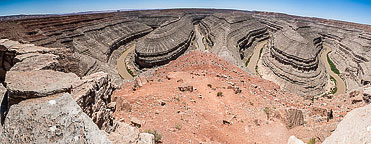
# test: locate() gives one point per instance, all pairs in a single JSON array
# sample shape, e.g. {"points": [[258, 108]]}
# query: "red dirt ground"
{"points": [[201, 116]]}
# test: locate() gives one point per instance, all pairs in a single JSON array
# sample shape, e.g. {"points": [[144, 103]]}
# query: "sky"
{"points": [[358, 11]]}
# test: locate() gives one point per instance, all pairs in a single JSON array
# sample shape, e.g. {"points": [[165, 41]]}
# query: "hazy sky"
{"points": [[348, 10]]}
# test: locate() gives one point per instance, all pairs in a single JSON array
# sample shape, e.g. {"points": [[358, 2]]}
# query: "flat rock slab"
{"points": [[31, 84], [36, 63], [53, 119]]}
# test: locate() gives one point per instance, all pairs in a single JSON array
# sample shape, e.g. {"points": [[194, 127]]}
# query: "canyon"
{"points": [[182, 75]]}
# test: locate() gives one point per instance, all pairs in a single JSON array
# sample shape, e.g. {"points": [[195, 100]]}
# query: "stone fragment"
{"points": [[130, 135], [136, 122], [186, 88], [294, 117]]}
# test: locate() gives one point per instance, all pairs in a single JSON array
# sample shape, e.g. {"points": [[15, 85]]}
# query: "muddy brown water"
{"points": [[121, 66], [255, 57], [340, 84]]}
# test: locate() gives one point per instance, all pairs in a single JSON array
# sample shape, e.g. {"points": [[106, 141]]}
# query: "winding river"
{"points": [[200, 44], [255, 57], [121, 66], [340, 84]]}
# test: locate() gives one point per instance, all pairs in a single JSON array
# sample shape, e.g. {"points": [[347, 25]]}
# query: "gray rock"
{"points": [[355, 128], [165, 43], [295, 118], [367, 95], [93, 94], [146, 138], [3, 105], [130, 135], [53, 119], [294, 140], [38, 62], [32, 84]]}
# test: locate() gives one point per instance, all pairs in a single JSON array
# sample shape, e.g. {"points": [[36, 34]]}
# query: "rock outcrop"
{"points": [[233, 36], [294, 68], [164, 44], [33, 84], [54, 119], [354, 128]]}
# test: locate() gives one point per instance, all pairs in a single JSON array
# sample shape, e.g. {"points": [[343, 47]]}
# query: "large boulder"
{"points": [[355, 128], [53, 119], [32, 84]]}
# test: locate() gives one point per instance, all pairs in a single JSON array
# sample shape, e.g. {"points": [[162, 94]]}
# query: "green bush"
{"points": [[219, 94], [130, 72], [332, 65], [312, 141], [248, 60], [157, 135]]}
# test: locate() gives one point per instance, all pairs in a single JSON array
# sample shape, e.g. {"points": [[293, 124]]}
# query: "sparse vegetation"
{"points": [[178, 126], [312, 141], [157, 136], [260, 53], [219, 94], [256, 67], [130, 72], [266, 110], [251, 103], [248, 61], [332, 65], [209, 85], [334, 89]]}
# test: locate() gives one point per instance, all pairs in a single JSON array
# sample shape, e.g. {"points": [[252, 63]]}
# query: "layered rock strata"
{"points": [[232, 36], [164, 44], [93, 38], [292, 59], [351, 55]]}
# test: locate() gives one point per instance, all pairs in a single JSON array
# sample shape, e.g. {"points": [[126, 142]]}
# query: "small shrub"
{"points": [[178, 126], [157, 136], [219, 94], [209, 85], [251, 103], [312, 141], [266, 110], [130, 72], [248, 61]]}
